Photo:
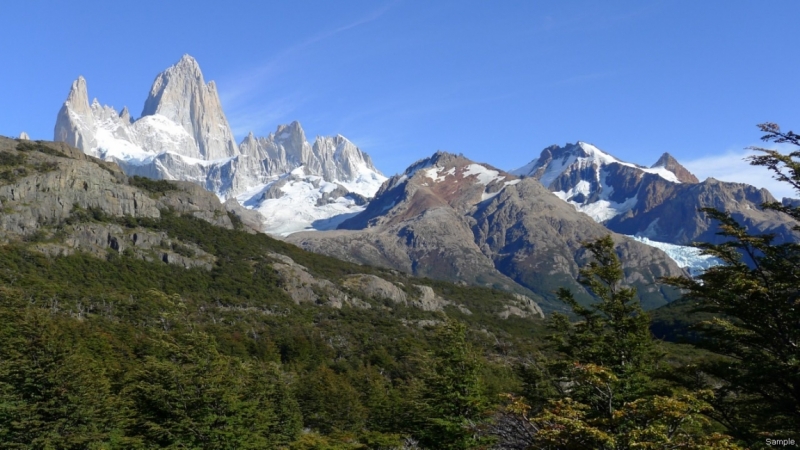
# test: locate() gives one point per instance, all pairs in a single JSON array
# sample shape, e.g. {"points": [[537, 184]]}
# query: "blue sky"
{"points": [[496, 81]]}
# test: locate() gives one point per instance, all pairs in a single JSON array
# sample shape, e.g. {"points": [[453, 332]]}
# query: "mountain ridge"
{"points": [[661, 202], [450, 218], [183, 134]]}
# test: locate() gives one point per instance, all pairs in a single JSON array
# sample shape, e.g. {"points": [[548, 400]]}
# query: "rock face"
{"points": [[449, 218], [183, 135], [661, 202], [181, 95], [75, 121], [48, 184]]}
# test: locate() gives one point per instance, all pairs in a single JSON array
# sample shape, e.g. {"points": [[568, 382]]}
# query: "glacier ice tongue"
{"points": [[689, 258]]}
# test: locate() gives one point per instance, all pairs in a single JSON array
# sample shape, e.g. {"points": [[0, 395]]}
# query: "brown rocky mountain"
{"points": [[668, 162], [661, 202], [447, 217]]}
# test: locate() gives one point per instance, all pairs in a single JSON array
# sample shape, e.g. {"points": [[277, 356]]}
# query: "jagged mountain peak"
{"points": [[188, 65], [181, 95], [78, 97], [125, 115], [183, 134], [292, 132], [669, 162]]}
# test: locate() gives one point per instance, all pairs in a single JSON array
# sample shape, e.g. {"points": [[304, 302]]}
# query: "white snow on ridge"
{"points": [[662, 172], [524, 170], [556, 168], [603, 209], [689, 258], [484, 174], [435, 173]]}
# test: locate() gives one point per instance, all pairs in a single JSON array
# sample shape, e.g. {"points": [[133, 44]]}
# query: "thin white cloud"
{"points": [[732, 166], [239, 89]]}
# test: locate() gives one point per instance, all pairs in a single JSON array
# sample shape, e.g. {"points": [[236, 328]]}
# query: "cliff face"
{"points": [[56, 194], [181, 95]]}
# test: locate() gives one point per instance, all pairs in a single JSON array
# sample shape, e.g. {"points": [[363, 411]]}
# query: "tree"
{"points": [[605, 393], [755, 298], [454, 403], [54, 393], [613, 333], [196, 397]]}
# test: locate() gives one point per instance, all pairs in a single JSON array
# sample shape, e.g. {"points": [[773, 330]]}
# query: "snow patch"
{"points": [[484, 174], [435, 173]]}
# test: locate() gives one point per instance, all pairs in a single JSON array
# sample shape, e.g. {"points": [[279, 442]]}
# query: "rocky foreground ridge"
{"points": [[58, 201]]}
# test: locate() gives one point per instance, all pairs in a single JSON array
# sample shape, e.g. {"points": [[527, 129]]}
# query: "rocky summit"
{"points": [[183, 134]]}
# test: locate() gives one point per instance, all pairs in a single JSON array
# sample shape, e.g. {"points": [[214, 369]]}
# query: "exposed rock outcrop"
{"points": [[54, 184]]}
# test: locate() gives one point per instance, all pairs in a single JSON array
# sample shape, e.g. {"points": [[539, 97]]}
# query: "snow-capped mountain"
{"points": [[183, 134], [595, 182], [660, 202]]}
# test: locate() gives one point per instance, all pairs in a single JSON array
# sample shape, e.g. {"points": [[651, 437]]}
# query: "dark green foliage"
{"points": [[91, 214], [152, 186], [193, 396], [11, 159], [613, 333], [37, 146], [754, 301], [236, 221], [14, 166], [453, 400], [329, 402], [53, 392]]}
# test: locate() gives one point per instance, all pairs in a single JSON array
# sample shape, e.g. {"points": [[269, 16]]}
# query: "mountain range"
{"points": [[445, 217], [183, 134]]}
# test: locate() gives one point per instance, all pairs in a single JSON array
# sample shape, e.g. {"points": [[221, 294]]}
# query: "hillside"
{"points": [[134, 289]]}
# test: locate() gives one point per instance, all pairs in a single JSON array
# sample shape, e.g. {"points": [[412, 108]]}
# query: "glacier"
{"points": [[689, 258]]}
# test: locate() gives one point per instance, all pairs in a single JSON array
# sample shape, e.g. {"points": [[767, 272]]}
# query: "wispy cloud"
{"points": [[238, 92], [588, 19], [732, 166]]}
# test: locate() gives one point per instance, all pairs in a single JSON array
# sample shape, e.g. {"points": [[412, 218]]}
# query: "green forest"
{"points": [[119, 352]]}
